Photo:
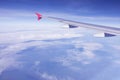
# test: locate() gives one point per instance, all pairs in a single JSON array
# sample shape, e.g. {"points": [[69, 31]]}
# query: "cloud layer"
{"points": [[83, 52]]}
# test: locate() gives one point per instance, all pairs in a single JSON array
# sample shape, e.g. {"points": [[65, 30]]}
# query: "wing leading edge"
{"points": [[108, 31]]}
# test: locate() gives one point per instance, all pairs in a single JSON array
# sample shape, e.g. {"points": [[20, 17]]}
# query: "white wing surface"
{"points": [[108, 31]]}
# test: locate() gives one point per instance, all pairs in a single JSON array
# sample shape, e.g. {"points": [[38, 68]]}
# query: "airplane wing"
{"points": [[108, 31]]}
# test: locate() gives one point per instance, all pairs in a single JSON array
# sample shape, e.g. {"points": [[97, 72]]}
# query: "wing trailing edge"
{"points": [[104, 35], [108, 31]]}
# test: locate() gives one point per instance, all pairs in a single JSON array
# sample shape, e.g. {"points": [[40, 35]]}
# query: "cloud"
{"points": [[47, 76], [8, 57], [87, 46], [116, 47], [115, 58], [7, 62], [83, 53], [15, 13], [117, 62], [37, 63], [35, 35], [15, 44]]}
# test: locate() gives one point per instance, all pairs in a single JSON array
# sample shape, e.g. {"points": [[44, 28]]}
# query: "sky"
{"points": [[20, 31], [19, 14]]}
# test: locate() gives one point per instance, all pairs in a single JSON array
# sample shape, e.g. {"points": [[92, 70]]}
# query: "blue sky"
{"points": [[21, 12], [26, 42], [81, 7]]}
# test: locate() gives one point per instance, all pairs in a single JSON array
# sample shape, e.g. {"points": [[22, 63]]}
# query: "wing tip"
{"points": [[39, 16]]}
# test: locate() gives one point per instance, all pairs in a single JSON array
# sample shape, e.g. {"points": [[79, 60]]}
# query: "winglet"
{"points": [[39, 16]]}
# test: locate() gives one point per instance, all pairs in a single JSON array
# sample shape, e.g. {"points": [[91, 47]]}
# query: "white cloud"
{"points": [[116, 62], [15, 13], [8, 56], [77, 56], [48, 77], [37, 63], [116, 47], [87, 46], [16, 42], [7, 62], [35, 35]]}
